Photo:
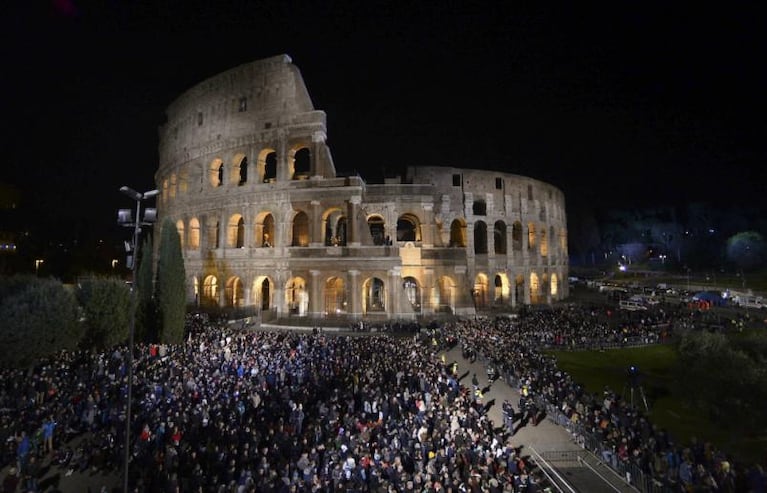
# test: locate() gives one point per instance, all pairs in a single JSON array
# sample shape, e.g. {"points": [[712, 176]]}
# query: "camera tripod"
{"points": [[630, 392]]}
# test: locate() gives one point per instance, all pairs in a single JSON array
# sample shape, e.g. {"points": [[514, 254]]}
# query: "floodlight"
{"points": [[130, 193]]}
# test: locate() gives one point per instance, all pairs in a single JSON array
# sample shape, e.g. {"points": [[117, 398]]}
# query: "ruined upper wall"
{"points": [[237, 106]]}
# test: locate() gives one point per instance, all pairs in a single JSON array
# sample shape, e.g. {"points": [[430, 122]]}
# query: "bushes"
{"points": [[39, 317]]}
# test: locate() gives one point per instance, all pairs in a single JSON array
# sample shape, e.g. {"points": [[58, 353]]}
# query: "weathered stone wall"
{"points": [[247, 177]]}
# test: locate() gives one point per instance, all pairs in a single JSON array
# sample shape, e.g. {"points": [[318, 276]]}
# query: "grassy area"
{"points": [[597, 369]]}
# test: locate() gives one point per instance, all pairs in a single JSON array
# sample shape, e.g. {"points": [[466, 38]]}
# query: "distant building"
{"points": [[246, 175]]}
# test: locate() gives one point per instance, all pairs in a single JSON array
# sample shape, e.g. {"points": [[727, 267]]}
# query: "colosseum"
{"points": [[267, 224]]}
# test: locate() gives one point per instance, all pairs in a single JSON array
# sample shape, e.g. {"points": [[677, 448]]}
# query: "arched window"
{"points": [[458, 233], [194, 233], [480, 291], [500, 291], [544, 243], [445, 294], [534, 288], [216, 173], [262, 293], [234, 292], [479, 208], [554, 285], [297, 297], [266, 238], [243, 171], [180, 229], [236, 232], [210, 291], [375, 295], [270, 167], [340, 236], [302, 164], [516, 236], [300, 230], [480, 238], [499, 238], [173, 184], [335, 296], [412, 293], [377, 230], [531, 236], [408, 228]]}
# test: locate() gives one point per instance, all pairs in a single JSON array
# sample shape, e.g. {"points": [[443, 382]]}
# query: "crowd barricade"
{"points": [[630, 471]]}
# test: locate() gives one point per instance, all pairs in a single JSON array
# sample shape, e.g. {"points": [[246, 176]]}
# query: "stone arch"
{"points": [[297, 296], [519, 288], [264, 234], [479, 293], [412, 291], [180, 229], [544, 247], [458, 233], [499, 238], [234, 294], [216, 172], [334, 227], [531, 239], [445, 295], [235, 232], [335, 296], [266, 166], [300, 230], [173, 185], [300, 163], [480, 238], [535, 288], [374, 295], [239, 171], [516, 236], [377, 226], [554, 284], [501, 289], [209, 291], [408, 228], [194, 233], [263, 292]]}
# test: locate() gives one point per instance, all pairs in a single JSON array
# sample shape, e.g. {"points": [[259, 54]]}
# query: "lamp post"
{"points": [[124, 218]]}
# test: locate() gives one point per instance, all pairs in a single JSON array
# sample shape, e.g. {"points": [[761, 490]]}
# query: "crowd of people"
{"points": [[621, 432], [241, 411], [263, 411]]}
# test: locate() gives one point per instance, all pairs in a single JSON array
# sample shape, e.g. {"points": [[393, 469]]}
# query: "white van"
{"points": [[749, 301], [631, 305]]}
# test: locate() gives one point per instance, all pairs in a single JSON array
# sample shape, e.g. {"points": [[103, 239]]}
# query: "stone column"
{"points": [[470, 241], [278, 299], [318, 139], [315, 302], [394, 293], [513, 291], [352, 221], [315, 225], [526, 286], [283, 159], [427, 292], [355, 298], [427, 226]]}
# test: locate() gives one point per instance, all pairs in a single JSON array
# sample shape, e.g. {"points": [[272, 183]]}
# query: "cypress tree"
{"points": [[171, 285], [146, 313]]}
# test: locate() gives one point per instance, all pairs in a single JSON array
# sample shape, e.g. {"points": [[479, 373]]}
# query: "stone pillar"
{"points": [[470, 241], [513, 291], [490, 242], [526, 286], [355, 298], [427, 226], [352, 221], [315, 301], [318, 139], [315, 225], [394, 293], [283, 159], [278, 299], [427, 292]]}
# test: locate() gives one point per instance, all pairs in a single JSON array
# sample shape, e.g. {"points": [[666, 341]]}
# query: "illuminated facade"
{"points": [[247, 177]]}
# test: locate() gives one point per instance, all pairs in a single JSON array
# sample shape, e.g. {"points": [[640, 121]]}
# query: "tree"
{"points": [[171, 284], [106, 305], [746, 250], [146, 311], [39, 317]]}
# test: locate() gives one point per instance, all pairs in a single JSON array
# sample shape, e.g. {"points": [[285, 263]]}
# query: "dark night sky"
{"points": [[622, 104]]}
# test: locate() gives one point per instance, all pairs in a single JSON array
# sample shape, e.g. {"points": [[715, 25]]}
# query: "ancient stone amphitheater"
{"points": [[267, 224]]}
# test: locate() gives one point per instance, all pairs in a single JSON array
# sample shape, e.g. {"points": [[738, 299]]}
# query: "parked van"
{"points": [[749, 301], [631, 305]]}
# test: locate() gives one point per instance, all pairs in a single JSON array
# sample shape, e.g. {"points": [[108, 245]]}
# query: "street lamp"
{"points": [[125, 218]]}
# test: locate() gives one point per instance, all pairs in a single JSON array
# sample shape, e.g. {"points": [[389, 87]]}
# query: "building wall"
{"points": [[247, 176]]}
